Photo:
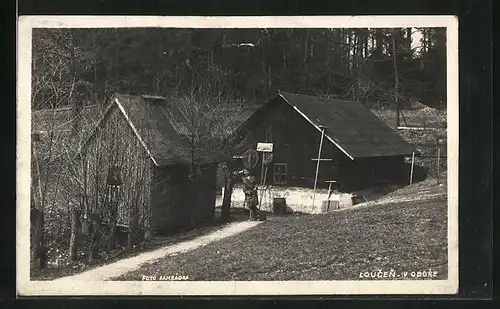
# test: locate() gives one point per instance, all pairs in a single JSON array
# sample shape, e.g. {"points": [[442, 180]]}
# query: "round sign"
{"points": [[250, 158]]}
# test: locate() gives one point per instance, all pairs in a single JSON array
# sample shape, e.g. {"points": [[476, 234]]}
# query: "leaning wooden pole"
{"points": [[262, 191], [317, 164], [411, 169]]}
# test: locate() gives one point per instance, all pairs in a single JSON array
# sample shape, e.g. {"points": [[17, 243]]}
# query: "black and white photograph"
{"points": [[237, 155]]}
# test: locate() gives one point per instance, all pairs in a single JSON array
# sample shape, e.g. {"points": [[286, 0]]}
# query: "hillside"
{"points": [[333, 246]]}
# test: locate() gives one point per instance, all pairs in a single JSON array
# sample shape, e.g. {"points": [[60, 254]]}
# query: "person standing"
{"points": [[251, 197]]}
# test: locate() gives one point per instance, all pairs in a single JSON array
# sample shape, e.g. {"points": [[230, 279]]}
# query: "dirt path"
{"points": [[121, 267]]}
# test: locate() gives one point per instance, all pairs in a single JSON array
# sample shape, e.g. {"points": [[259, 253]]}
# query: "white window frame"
{"points": [[285, 174]]}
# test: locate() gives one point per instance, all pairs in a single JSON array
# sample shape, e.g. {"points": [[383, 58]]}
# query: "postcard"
{"points": [[249, 155]]}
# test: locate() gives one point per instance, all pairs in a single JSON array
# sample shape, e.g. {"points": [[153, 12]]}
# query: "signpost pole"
{"points": [[317, 164], [261, 181], [411, 170], [262, 170], [264, 148]]}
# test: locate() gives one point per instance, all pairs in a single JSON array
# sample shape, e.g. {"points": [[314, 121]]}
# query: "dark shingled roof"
{"points": [[150, 117], [350, 125], [163, 129]]}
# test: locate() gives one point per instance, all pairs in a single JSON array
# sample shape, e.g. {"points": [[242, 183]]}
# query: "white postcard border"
{"points": [[26, 287]]}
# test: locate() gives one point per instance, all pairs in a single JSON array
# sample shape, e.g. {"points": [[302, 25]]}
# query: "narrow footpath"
{"points": [[121, 267]]}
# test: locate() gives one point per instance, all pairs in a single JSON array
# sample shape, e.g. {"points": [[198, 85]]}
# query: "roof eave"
{"points": [[134, 129]]}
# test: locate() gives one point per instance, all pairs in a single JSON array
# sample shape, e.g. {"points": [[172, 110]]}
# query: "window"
{"points": [[280, 173]]}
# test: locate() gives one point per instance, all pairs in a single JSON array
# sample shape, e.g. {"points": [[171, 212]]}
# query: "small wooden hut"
{"points": [[137, 166]]}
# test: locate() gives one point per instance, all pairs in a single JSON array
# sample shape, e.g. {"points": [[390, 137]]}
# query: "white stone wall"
{"points": [[297, 199]]}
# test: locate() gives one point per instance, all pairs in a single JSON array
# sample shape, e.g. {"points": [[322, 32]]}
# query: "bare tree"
{"points": [[396, 76], [46, 172], [207, 118]]}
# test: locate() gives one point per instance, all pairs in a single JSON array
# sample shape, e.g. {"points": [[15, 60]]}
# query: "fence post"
{"points": [[411, 169]]}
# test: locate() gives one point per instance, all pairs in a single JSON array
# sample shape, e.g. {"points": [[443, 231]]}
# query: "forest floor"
{"points": [[404, 231]]}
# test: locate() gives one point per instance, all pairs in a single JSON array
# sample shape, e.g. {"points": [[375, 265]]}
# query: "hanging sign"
{"points": [[265, 147]]}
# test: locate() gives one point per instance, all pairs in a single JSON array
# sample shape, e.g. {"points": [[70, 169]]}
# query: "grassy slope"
{"points": [[407, 236]]}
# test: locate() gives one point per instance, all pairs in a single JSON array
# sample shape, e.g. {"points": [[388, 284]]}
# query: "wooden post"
{"points": [[95, 237], [262, 191], [411, 170], [261, 181], [317, 164], [329, 190]]}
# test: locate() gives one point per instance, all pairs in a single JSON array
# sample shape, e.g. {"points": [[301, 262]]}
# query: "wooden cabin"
{"points": [[136, 166], [358, 150]]}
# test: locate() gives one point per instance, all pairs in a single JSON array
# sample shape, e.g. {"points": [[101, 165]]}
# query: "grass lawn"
{"points": [[404, 236]]}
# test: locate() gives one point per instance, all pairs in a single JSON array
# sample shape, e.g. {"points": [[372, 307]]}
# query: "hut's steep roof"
{"points": [[164, 130], [150, 117], [350, 126]]}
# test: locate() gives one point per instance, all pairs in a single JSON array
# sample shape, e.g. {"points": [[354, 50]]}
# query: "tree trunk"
{"points": [[112, 232], [379, 41], [75, 228], [226, 200], [95, 237], [408, 40], [40, 251], [396, 78], [194, 190], [113, 196], [425, 40], [349, 48], [133, 227], [365, 44]]}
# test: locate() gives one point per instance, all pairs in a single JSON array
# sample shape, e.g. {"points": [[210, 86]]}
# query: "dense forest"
{"points": [[372, 65]]}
